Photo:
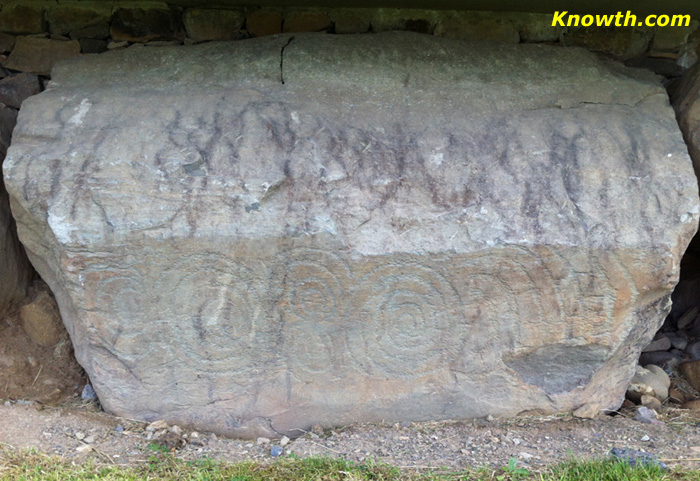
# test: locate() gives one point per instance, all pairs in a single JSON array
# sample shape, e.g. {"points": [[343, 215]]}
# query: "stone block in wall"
{"points": [[23, 18], [671, 39], [351, 20], [93, 45], [7, 42], [16, 89], [97, 32], [478, 26], [202, 25], [431, 229], [406, 20], [38, 55], [536, 27], [73, 18], [306, 21], [623, 43], [263, 22], [146, 23]]}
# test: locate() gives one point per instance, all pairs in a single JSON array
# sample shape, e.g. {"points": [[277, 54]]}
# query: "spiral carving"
{"points": [[313, 290], [410, 319], [214, 314]]}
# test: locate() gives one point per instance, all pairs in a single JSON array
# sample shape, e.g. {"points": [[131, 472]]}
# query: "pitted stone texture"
{"points": [[399, 231]]}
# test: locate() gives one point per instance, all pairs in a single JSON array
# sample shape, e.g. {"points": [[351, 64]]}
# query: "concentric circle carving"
{"points": [[410, 318], [213, 314], [313, 286]]}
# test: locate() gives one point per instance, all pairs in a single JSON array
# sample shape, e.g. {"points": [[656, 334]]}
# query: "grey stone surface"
{"points": [[399, 231]]}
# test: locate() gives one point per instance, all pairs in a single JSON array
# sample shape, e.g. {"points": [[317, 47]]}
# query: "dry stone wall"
{"points": [[96, 26], [252, 245]]}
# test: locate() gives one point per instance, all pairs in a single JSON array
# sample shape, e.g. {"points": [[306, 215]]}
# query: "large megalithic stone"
{"points": [[254, 237]]}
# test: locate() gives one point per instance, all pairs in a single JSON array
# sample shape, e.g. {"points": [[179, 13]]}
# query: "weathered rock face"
{"points": [[262, 235]]}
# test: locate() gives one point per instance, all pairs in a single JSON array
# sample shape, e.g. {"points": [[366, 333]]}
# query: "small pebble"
{"points": [[636, 458], [119, 429], [645, 438], [275, 451], [284, 441], [79, 436], [645, 415], [88, 393], [157, 425], [260, 441]]}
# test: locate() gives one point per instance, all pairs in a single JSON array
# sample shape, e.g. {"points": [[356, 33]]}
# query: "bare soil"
{"points": [[29, 371], [79, 431]]}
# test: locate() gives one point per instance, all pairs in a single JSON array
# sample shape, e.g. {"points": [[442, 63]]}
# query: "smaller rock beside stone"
{"points": [[16, 89], [157, 425], [660, 344], [660, 358], [88, 393], [645, 415], [693, 405], [691, 372], [688, 317], [38, 55], [648, 380], [41, 320], [587, 411]]}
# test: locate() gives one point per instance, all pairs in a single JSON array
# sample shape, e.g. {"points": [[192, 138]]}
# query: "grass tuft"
{"points": [[33, 466]]}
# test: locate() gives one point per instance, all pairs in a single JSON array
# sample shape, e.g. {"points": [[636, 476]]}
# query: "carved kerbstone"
{"points": [[258, 236]]}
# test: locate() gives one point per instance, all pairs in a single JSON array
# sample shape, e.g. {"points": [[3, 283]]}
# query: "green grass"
{"points": [[31, 466]]}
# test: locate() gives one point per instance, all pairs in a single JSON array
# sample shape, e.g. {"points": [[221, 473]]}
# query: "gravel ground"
{"points": [[79, 431]]}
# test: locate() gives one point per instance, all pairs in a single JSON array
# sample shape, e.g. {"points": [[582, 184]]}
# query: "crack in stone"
{"points": [[282, 58]]}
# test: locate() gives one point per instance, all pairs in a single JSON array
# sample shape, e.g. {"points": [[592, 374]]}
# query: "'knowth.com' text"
{"points": [[619, 19]]}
